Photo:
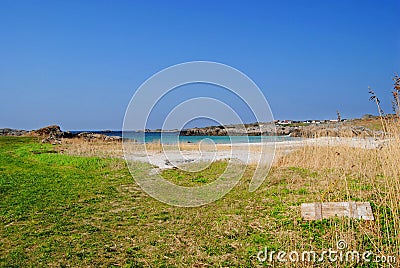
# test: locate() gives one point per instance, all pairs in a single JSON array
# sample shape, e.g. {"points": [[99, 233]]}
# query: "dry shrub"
{"points": [[98, 148]]}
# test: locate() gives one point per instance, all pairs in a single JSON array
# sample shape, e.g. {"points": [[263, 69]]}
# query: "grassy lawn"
{"points": [[61, 210]]}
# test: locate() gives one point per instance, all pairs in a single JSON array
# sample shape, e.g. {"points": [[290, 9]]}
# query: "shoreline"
{"points": [[248, 153]]}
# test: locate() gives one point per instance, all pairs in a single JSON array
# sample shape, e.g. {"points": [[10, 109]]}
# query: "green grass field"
{"points": [[59, 210]]}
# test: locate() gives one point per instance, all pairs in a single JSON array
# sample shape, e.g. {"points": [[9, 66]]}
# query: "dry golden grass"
{"points": [[360, 175], [80, 147], [374, 123]]}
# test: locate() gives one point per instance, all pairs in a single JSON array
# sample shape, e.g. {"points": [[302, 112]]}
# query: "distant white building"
{"points": [[285, 122]]}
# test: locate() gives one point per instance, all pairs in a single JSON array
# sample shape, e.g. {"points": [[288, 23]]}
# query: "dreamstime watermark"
{"points": [[155, 90], [339, 255]]}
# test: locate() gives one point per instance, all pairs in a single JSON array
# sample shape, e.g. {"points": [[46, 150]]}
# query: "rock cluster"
{"points": [[12, 132], [255, 129], [206, 131], [54, 135], [51, 134], [310, 131], [88, 136]]}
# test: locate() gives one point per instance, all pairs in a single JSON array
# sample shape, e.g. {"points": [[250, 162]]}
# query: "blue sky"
{"points": [[78, 63]]}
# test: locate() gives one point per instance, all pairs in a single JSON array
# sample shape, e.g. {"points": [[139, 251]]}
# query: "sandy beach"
{"points": [[248, 153]]}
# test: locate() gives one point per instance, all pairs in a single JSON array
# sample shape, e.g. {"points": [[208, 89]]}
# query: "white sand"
{"points": [[247, 153]]}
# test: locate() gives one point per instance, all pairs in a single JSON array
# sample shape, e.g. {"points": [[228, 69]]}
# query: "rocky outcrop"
{"points": [[51, 131], [51, 134], [285, 131], [206, 131], [54, 135], [89, 136], [12, 132], [255, 129], [310, 131]]}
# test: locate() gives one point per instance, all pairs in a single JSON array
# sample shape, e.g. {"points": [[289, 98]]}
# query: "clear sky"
{"points": [[78, 63]]}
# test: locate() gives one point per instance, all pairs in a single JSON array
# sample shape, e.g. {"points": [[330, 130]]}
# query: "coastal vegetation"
{"points": [[64, 210], [75, 204]]}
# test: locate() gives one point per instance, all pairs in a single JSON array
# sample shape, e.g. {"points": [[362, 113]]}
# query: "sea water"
{"points": [[174, 137]]}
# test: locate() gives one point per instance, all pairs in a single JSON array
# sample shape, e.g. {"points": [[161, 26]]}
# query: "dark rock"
{"points": [[12, 132], [68, 135], [50, 131]]}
